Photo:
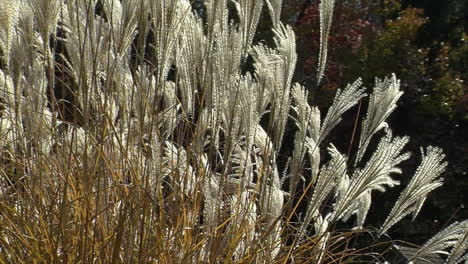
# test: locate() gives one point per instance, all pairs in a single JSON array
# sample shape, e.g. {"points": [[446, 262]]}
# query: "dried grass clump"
{"points": [[130, 133]]}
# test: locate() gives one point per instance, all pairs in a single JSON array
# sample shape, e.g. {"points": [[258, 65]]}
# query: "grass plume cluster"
{"points": [[131, 132]]}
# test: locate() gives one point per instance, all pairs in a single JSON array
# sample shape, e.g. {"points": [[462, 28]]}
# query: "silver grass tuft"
{"points": [[9, 15], [326, 17], [344, 100], [249, 14], [307, 119], [274, 70], [423, 182], [374, 176], [330, 174], [274, 8], [459, 251], [46, 14], [382, 102], [448, 237]]}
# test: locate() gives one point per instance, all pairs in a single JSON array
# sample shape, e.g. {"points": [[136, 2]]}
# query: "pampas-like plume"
{"points": [[46, 13], [274, 8], [374, 176], [330, 174], [382, 102], [9, 14], [459, 251], [424, 181], [344, 100], [326, 17], [453, 235]]}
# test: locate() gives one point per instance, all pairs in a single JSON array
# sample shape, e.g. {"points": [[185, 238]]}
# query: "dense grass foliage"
{"points": [[132, 133]]}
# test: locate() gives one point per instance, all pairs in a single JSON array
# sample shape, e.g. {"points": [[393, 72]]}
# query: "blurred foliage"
{"points": [[447, 19], [447, 96], [445, 35], [392, 50]]}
